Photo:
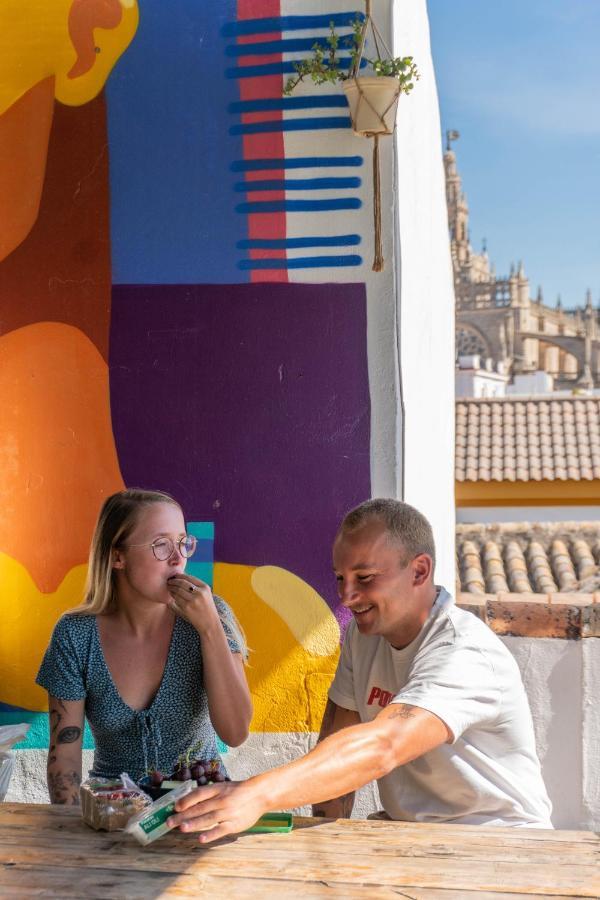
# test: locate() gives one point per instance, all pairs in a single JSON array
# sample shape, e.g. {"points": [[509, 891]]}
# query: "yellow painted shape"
{"points": [[307, 615], [35, 44], [28, 618], [528, 493], [288, 683]]}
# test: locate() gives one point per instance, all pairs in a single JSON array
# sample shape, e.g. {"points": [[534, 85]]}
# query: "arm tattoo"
{"points": [[403, 712], [69, 735], [63, 787]]}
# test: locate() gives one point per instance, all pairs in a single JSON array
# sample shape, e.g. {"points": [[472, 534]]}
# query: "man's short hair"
{"points": [[403, 522]]}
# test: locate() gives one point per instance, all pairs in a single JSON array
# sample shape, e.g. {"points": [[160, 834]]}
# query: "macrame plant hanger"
{"points": [[373, 103]]}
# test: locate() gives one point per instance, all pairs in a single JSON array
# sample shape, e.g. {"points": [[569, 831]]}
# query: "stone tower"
{"points": [[497, 319]]}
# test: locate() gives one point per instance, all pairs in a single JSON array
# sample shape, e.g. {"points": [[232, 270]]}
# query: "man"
{"points": [[426, 699]]}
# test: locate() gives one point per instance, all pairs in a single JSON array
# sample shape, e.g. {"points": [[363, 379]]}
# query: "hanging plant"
{"points": [[372, 98]]}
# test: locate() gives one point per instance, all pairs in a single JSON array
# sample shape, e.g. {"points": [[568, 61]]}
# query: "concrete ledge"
{"points": [[567, 616]]}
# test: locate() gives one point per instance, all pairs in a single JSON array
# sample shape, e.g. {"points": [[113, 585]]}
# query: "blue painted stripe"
{"points": [[315, 123], [265, 104], [201, 564], [279, 68], [298, 184], [288, 23], [204, 551], [202, 530], [295, 162], [202, 570], [302, 262], [270, 206], [339, 240], [287, 45]]}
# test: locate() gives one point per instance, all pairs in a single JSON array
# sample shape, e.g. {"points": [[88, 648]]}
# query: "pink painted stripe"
{"points": [[263, 146]]}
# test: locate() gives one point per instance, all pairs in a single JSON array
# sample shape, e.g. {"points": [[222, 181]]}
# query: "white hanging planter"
{"points": [[373, 101]]}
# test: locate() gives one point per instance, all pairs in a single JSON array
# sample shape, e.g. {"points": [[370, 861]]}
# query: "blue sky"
{"points": [[520, 81]]}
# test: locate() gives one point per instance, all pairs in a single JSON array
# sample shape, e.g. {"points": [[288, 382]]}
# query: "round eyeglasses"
{"points": [[163, 547]]}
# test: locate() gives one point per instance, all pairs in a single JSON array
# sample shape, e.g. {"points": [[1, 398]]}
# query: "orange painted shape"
{"points": [[57, 453], [24, 135], [84, 16]]}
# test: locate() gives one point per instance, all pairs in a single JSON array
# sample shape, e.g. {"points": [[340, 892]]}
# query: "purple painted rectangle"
{"points": [[250, 404]]}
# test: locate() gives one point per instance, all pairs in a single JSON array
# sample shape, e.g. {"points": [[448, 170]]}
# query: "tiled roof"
{"points": [[505, 439], [521, 558]]}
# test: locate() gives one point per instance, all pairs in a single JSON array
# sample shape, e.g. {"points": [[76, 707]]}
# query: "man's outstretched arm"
{"points": [[338, 765], [334, 718]]}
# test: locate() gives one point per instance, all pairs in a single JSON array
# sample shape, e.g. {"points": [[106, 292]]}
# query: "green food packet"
{"points": [[151, 824]]}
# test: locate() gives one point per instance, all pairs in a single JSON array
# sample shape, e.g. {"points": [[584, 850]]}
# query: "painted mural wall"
{"points": [[187, 303]]}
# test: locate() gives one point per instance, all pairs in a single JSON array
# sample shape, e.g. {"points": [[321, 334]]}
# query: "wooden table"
{"points": [[47, 851]]}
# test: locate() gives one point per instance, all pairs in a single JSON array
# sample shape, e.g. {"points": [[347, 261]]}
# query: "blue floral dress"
{"points": [[129, 740]]}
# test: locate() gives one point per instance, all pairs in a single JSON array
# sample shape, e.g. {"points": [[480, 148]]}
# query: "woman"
{"points": [[153, 660]]}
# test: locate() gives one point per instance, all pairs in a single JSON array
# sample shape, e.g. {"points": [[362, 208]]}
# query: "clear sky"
{"points": [[520, 81]]}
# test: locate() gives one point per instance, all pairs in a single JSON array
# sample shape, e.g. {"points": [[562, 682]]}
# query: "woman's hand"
{"points": [[229, 703], [192, 599]]}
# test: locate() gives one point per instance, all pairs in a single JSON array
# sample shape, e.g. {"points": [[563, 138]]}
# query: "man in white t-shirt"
{"points": [[426, 699]]}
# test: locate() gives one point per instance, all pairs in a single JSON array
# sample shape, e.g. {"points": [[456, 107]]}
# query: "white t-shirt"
{"points": [[459, 670]]}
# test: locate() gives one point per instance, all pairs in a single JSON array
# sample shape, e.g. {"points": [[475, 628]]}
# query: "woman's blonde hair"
{"points": [[118, 518]]}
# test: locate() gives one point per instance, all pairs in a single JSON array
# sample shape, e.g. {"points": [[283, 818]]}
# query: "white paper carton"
{"points": [[151, 824]]}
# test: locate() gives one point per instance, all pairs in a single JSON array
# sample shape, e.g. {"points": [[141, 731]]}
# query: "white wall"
{"points": [[478, 383], [561, 679], [483, 514], [425, 293]]}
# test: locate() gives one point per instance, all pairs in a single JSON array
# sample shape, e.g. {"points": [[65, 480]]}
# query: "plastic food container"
{"points": [[107, 804], [151, 823], [273, 823]]}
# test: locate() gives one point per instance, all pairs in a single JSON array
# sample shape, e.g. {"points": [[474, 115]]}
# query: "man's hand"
{"points": [[227, 808], [338, 765]]}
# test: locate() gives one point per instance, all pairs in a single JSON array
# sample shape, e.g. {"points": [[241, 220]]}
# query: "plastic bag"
{"points": [[9, 736]]}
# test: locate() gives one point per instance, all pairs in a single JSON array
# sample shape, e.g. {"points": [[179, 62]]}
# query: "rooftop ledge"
{"points": [[567, 616]]}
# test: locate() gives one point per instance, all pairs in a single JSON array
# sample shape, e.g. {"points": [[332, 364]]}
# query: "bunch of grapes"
{"points": [[202, 771], [188, 767]]}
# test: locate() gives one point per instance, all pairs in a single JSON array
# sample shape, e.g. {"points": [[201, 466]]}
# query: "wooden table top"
{"points": [[47, 851]]}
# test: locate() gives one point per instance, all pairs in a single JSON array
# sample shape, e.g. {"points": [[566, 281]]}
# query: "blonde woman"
{"points": [[151, 658]]}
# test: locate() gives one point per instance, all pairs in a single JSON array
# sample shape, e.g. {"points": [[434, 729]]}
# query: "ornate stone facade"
{"points": [[498, 319]]}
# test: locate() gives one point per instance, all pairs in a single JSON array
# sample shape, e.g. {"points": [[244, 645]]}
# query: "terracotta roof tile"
{"points": [[567, 615], [502, 439], [521, 558]]}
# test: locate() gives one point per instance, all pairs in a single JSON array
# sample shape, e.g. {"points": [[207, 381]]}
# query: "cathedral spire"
{"points": [[458, 210]]}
